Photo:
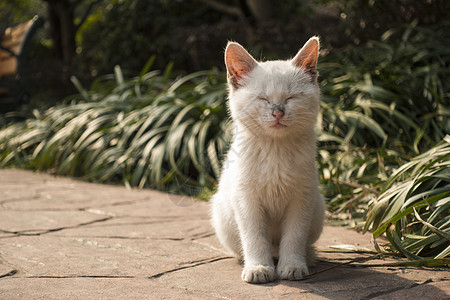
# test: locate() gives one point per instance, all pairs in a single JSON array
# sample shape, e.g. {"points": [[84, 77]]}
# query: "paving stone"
{"points": [[6, 270], [57, 256], [91, 288], [161, 205], [148, 228], [31, 222], [81, 199], [65, 239]]}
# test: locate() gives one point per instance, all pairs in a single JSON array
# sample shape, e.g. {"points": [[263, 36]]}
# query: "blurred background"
{"points": [[133, 92], [87, 38]]}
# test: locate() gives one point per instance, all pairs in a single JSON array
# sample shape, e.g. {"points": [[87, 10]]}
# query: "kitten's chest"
{"points": [[274, 170], [277, 172]]}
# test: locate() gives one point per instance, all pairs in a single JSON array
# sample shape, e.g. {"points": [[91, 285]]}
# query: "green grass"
{"points": [[382, 104], [383, 143], [149, 131], [413, 209], [384, 149]]}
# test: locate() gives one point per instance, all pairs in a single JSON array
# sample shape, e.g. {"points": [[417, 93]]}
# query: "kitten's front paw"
{"points": [[292, 271], [259, 274]]}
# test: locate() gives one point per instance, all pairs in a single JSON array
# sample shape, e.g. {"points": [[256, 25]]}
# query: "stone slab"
{"points": [[91, 288], [145, 228], [50, 256], [65, 239], [31, 222]]}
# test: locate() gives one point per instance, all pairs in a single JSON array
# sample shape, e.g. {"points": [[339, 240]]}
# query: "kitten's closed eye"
{"points": [[293, 97], [286, 99], [290, 98]]}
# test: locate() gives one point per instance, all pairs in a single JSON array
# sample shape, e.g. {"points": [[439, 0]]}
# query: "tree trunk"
{"points": [[62, 29]]}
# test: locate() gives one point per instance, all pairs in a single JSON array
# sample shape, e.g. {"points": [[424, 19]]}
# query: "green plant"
{"points": [[147, 132], [133, 30], [398, 85], [383, 109], [382, 104], [413, 209]]}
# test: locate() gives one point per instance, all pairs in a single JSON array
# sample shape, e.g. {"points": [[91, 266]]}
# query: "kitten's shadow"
{"points": [[333, 280]]}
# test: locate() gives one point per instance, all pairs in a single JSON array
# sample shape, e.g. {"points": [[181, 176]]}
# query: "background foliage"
{"points": [[149, 131]]}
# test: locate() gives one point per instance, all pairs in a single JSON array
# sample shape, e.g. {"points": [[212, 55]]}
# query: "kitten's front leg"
{"points": [[258, 262], [292, 263], [296, 249]]}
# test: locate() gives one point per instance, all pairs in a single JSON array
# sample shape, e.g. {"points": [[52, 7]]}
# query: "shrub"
{"points": [[382, 104], [147, 132], [413, 209]]}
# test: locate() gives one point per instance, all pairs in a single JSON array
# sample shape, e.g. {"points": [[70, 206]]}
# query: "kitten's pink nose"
{"points": [[278, 114]]}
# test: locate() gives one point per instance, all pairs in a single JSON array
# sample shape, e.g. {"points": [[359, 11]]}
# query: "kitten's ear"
{"points": [[239, 63], [307, 56]]}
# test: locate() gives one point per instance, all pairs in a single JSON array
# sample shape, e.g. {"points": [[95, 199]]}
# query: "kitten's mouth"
{"points": [[278, 125]]}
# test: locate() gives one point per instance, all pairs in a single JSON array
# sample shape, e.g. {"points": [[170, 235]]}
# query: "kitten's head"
{"points": [[273, 98]]}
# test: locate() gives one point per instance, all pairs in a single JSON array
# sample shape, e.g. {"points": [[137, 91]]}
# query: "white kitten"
{"points": [[268, 196]]}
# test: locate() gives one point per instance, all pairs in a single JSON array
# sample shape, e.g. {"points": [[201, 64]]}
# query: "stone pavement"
{"points": [[65, 239]]}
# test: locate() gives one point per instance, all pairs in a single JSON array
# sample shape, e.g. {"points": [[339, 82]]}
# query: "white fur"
{"points": [[268, 196]]}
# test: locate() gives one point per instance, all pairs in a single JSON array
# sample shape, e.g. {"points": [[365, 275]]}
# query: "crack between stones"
{"points": [[9, 274], [80, 276], [153, 220], [189, 265], [122, 237], [41, 232], [117, 203], [13, 271], [201, 235], [192, 264]]}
